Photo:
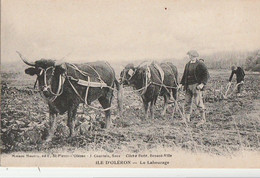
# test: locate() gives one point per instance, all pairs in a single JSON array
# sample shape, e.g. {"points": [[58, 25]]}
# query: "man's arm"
{"points": [[184, 76], [203, 73], [243, 72], [231, 76]]}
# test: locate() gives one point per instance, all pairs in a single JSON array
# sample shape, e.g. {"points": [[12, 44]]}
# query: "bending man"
{"points": [[240, 74]]}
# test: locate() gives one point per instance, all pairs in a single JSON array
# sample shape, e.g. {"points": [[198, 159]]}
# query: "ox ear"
{"points": [[61, 68], [32, 71]]}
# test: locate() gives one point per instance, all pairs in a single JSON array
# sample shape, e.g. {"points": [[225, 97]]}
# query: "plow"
{"points": [[217, 93]]}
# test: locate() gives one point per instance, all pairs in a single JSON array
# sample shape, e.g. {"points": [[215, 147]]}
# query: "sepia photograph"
{"points": [[130, 83]]}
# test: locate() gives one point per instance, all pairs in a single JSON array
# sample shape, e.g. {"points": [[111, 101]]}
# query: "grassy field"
{"points": [[232, 124]]}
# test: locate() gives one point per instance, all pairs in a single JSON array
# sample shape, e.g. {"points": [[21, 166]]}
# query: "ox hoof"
{"points": [[72, 135], [187, 117], [108, 124]]}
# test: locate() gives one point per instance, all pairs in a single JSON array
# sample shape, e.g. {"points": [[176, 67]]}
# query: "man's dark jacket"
{"points": [[239, 73], [201, 74]]}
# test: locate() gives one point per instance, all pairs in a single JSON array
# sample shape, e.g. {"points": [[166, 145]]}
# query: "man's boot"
{"points": [[188, 117], [203, 119]]}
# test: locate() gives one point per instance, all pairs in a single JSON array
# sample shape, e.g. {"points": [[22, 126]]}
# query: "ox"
{"points": [[65, 86], [152, 80]]}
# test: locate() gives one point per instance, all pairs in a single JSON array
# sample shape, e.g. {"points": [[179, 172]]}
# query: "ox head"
{"points": [[49, 75], [127, 73], [133, 75]]}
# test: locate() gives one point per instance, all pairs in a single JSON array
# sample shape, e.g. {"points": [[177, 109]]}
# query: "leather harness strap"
{"points": [[161, 72], [86, 96]]}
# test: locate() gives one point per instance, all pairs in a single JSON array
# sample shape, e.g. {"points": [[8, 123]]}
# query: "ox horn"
{"points": [[24, 60]]}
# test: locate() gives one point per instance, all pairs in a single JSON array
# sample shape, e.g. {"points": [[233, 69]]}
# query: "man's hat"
{"points": [[193, 53]]}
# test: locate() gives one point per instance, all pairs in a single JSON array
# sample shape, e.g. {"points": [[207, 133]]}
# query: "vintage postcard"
{"points": [[130, 83]]}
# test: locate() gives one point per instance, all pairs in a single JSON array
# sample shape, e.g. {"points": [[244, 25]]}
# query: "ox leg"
{"points": [[71, 120], [152, 108], [145, 103], [106, 103], [174, 93], [165, 104], [53, 126]]}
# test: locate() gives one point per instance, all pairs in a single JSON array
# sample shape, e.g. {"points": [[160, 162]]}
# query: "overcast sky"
{"points": [[124, 30]]}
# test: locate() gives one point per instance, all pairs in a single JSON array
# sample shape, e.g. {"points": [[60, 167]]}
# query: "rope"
{"points": [[80, 71], [87, 74], [46, 86], [147, 77], [150, 83], [75, 90], [172, 73], [100, 109], [147, 84], [111, 107], [96, 73], [85, 101], [60, 88], [86, 95], [162, 85], [135, 91]]}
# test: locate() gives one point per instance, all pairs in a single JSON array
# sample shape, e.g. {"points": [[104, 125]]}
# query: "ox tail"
{"points": [[119, 97]]}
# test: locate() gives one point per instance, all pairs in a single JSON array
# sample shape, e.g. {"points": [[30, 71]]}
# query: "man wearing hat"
{"points": [[194, 79]]}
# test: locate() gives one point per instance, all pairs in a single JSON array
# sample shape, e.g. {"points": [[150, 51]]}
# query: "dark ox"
{"points": [[151, 85], [58, 85]]}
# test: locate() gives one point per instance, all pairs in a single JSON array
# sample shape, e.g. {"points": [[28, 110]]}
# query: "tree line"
{"points": [[250, 61]]}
